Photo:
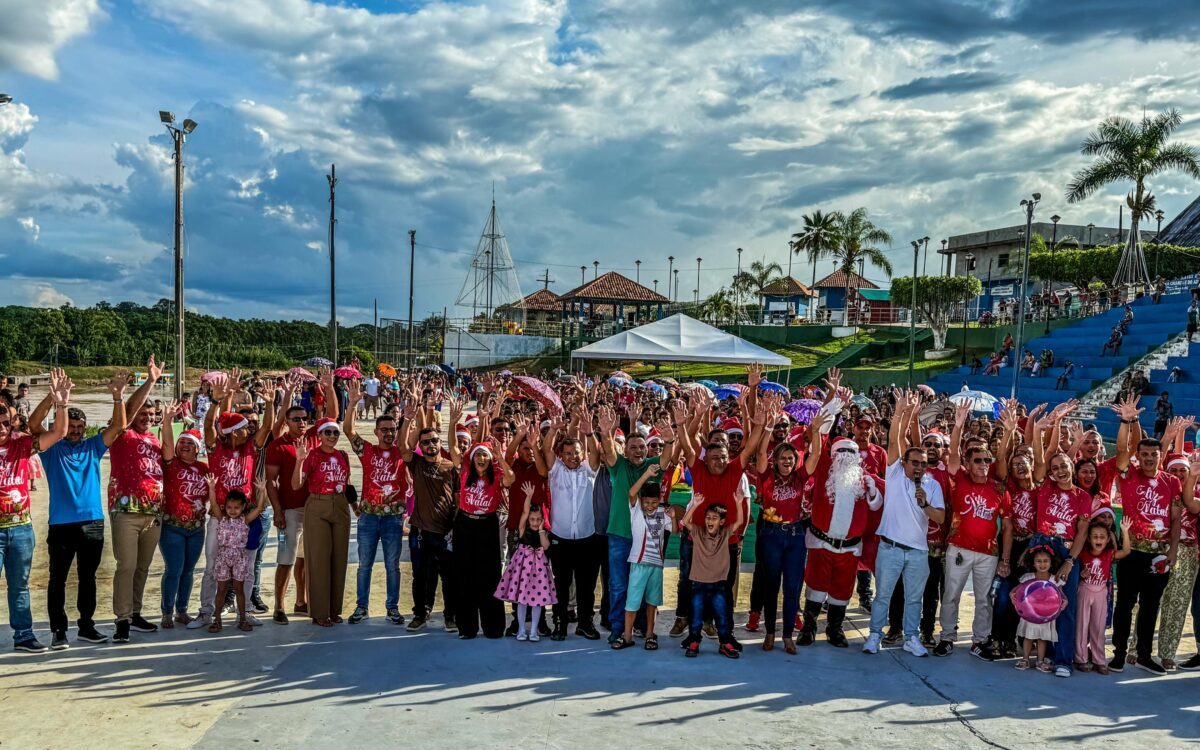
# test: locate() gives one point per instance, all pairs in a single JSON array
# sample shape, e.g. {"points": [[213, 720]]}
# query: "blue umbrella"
{"points": [[768, 386], [726, 391], [317, 362], [656, 389], [447, 369], [618, 382], [709, 384]]}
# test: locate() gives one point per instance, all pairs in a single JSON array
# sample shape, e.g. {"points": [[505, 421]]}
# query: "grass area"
{"points": [[901, 363], [89, 375]]}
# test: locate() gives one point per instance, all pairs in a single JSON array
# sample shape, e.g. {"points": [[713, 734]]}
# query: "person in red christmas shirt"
{"points": [[185, 509], [134, 503], [1017, 474], [977, 503], [287, 504], [843, 494], [1063, 512], [325, 473], [381, 510], [1151, 498], [16, 524]]}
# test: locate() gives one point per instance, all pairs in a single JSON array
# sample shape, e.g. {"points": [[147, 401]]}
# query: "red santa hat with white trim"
{"points": [[654, 437], [731, 425], [1178, 461], [843, 444], [230, 422], [195, 437], [325, 424], [461, 431], [485, 446]]}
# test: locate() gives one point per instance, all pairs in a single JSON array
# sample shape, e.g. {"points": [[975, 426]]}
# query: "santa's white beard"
{"points": [[844, 486]]}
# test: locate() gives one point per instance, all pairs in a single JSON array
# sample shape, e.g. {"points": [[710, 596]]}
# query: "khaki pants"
{"points": [[134, 539], [981, 569], [326, 550]]}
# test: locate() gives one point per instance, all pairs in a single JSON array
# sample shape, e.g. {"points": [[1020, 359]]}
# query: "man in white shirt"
{"points": [[575, 549], [370, 388], [911, 499]]}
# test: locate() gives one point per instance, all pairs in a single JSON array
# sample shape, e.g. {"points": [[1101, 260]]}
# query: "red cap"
{"points": [[731, 424], [230, 422], [325, 424]]}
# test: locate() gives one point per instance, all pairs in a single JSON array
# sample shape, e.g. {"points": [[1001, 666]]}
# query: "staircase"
{"points": [[1153, 325], [1184, 395]]}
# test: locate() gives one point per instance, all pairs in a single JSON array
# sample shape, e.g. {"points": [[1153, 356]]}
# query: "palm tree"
{"points": [[761, 274], [817, 240], [720, 306], [858, 239], [1126, 151]]}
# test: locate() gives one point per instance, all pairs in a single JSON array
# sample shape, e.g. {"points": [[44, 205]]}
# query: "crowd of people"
{"points": [[557, 488]]}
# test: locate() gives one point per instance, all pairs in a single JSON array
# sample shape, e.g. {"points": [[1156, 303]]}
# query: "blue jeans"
{"points": [[16, 555], [783, 556], [893, 563], [618, 585], [180, 549], [683, 591], [710, 596], [373, 529], [1064, 650], [266, 518]]}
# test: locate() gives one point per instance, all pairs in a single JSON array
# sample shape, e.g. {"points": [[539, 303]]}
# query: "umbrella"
{"points": [[769, 387], [709, 384], [506, 373], [689, 387], [386, 370], [302, 373], [432, 368], [980, 402], [730, 390], [656, 389], [620, 374], [567, 379], [446, 369], [318, 362], [209, 377], [348, 373], [802, 410], [862, 401], [538, 391], [615, 382], [648, 383], [669, 381], [925, 389]]}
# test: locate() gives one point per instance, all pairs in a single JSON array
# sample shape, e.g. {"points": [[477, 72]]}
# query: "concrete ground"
{"points": [[375, 683]]}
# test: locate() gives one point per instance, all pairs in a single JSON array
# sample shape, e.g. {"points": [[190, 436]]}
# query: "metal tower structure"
{"points": [[491, 288]]}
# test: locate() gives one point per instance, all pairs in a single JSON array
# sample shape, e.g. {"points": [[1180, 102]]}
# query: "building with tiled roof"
{"points": [[540, 307], [837, 280], [784, 300], [613, 287]]}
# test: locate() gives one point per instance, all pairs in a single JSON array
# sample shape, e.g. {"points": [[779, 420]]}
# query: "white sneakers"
{"points": [[872, 644], [914, 647], [202, 620]]}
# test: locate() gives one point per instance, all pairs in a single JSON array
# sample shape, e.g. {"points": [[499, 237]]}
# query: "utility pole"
{"points": [[376, 307], [1028, 205], [178, 135], [332, 178], [676, 295], [582, 278], [595, 270], [697, 281], [1053, 241], [412, 256], [545, 279], [638, 263], [912, 316], [670, 266]]}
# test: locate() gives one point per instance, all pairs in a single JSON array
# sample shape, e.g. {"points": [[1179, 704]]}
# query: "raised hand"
{"points": [[154, 370], [754, 374], [962, 412], [456, 411], [607, 419], [211, 481], [173, 410], [833, 379], [665, 430], [301, 450], [116, 386], [527, 488], [353, 392]]}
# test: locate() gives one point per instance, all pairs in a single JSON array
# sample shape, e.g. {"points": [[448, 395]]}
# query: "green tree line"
{"points": [[1080, 267]]}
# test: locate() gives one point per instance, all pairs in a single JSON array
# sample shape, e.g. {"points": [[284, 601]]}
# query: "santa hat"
{"points": [[545, 425], [935, 435], [654, 437], [618, 433], [472, 420], [1101, 511], [230, 422], [461, 431], [484, 447], [1178, 461], [325, 424], [731, 425], [194, 436], [843, 444]]}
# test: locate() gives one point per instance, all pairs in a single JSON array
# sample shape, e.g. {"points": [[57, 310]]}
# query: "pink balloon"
{"points": [[1038, 601]]}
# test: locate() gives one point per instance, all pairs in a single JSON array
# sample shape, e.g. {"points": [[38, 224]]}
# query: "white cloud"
{"points": [[45, 295], [30, 226], [33, 31]]}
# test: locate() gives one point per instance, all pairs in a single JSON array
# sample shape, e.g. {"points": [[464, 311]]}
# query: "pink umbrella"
{"points": [[302, 373], [209, 377], [348, 373], [538, 391]]}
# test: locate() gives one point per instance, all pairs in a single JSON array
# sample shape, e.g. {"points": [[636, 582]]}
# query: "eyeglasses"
{"points": [[386, 430], [982, 460], [431, 441], [846, 450], [334, 433]]}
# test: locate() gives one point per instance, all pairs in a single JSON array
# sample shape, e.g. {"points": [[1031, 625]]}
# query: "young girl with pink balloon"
{"points": [[1038, 600]]}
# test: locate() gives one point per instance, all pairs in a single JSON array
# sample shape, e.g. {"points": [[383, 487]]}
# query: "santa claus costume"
{"points": [[843, 493]]}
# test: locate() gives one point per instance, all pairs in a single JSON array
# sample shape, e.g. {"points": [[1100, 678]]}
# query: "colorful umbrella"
{"points": [[730, 390], [318, 362], [348, 373], [862, 401], [802, 410], [980, 402], [538, 391], [506, 373], [709, 384], [209, 377], [769, 387], [386, 370], [689, 387], [305, 374], [567, 379], [669, 381], [615, 382], [656, 389], [620, 374], [432, 368]]}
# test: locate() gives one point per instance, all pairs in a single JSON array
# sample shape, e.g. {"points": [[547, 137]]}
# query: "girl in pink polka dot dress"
{"points": [[528, 580]]}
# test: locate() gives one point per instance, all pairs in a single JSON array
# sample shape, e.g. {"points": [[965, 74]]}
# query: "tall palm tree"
{"points": [[760, 274], [1126, 151], [858, 241], [817, 240], [720, 306]]}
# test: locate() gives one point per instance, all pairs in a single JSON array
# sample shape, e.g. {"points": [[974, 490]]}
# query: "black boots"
{"points": [[833, 626], [812, 610]]}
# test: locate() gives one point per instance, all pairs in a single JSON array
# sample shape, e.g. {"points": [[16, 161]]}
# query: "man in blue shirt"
{"points": [[76, 531]]}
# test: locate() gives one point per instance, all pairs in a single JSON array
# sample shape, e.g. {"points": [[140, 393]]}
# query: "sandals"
{"points": [[1046, 666], [1101, 669], [245, 626], [166, 623], [768, 642], [1085, 666], [1023, 664], [651, 642], [326, 623], [336, 619], [215, 627], [621, 643], [183, 618]]}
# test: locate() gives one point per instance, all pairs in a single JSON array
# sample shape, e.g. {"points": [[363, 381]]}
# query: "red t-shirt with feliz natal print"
{"points": [[1024, 508], [977, 508], [783, 498], [1095, 570], [1146, 502], [326, 473], [14, 480], [480, 497], [385, 480], [137, 473], [1058, 510], [185, 494], [234, 469]]}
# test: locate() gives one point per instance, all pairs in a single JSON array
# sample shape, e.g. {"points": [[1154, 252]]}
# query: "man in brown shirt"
{"points": [[434, 482]]}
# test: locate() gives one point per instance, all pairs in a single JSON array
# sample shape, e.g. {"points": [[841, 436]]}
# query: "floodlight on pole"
{"points": [[178, 136], [1028, 206], [5, 99], [189, 125]]}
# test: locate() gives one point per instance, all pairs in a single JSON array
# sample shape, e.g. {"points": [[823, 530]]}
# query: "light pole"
{"points": [[656, 286], [5, 99], [1090, 227], [670, 266], [676, 293], [738, 289], [1053, 241], [697, 281], [946, 257], [1028, 204], [1157, 247], [925, 265], [968, 257], [638, 263], [179, 136], [332, 179], [412, 256], [595, 270], [582, 278], [912, 315]]}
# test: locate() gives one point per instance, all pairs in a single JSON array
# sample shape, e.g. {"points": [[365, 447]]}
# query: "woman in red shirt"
{"points": [[477, 540], [184, 512], [324, 472], [780, 491]]}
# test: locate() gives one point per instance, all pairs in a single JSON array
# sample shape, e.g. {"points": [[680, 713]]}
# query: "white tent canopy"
{"points": [[680, 339]]}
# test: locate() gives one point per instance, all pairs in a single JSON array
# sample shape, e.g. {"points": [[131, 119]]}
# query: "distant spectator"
{"points": [[1193, 318], [1065, 375], [1141, 383], [1028, 363], [1114, 343], [1163, 412], [1047, 359], [21, 402], [976, 365], [1175, 375], [994, 365]]}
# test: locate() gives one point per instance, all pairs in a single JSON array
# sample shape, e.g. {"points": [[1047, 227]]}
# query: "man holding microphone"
{"points": [[911, 500]]}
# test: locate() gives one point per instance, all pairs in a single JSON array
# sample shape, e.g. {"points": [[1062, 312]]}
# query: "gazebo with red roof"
{"points": [[832, 290], [610, 301], [541, 307]]}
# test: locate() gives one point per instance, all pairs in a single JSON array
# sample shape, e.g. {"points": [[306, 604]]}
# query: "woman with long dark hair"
{"points": [[780, 489], [477, 557]]}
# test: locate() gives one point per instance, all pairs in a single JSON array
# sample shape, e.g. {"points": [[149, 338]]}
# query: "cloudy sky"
{"points": [[614, 130]]}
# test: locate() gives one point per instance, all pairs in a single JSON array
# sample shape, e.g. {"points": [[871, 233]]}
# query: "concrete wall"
{"points": [[465, 349], [781, 335]]}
